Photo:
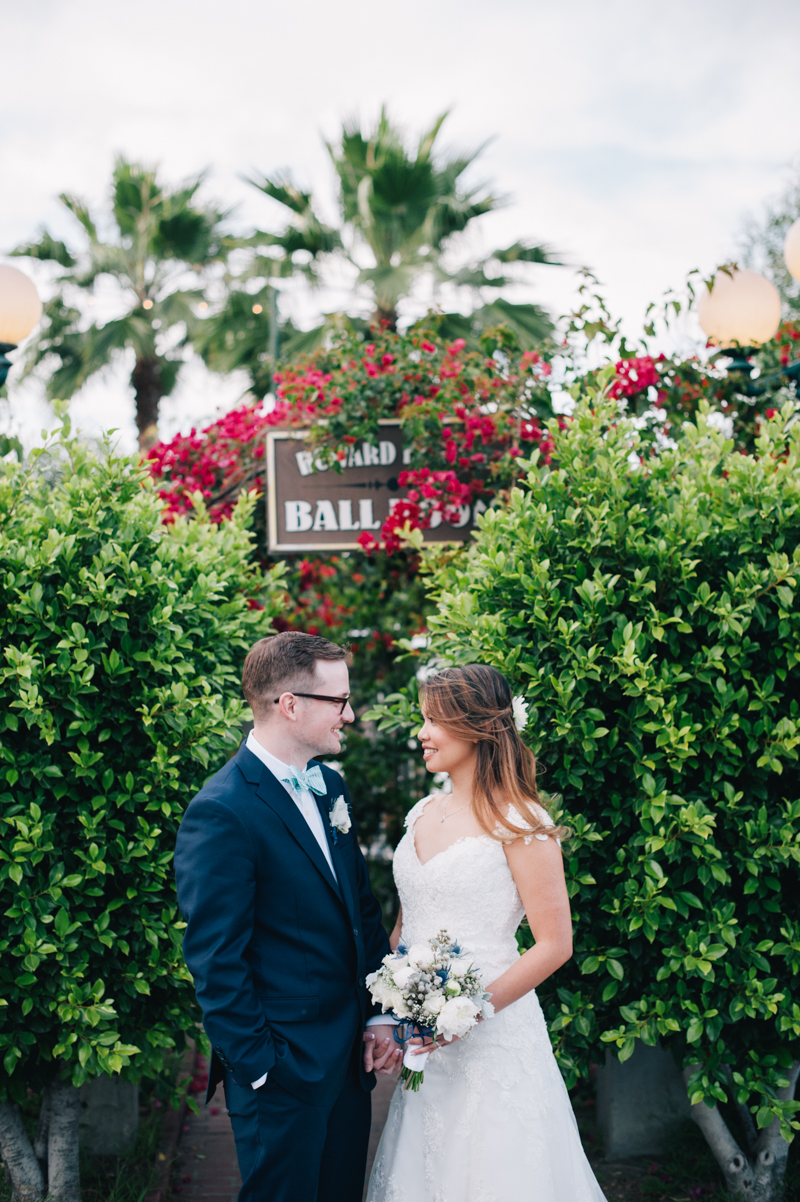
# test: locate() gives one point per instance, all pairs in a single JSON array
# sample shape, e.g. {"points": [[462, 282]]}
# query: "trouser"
{"points": [[289, 1151]]}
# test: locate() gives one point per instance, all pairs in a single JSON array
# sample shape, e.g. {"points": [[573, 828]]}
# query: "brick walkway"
{"points": [[206, 1165]]}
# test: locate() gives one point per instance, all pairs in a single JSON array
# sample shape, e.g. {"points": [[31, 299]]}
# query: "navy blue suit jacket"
{"points": [[277, 947]]}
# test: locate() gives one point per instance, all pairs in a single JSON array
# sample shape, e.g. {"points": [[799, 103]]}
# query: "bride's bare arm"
{"points": [[538, 872], [394, 938]]}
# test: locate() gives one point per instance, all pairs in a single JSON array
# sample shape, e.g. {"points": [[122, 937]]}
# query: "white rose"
{"points": [[459, 968], [399, 1007], [433, 1005], [381, 992], [421, 954], [452, 989], [403, 975], [340, 815], [456, 1018]]}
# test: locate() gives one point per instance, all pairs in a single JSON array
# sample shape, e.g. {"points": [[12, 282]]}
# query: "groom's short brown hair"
{"points": [[283, 662]]}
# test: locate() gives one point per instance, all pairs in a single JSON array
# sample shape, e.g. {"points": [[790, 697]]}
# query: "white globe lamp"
{"points": [[20, 310], [791, 250], [743, 309]]}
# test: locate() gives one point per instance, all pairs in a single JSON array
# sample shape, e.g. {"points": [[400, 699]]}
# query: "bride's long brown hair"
{"points": [[474, 703]]}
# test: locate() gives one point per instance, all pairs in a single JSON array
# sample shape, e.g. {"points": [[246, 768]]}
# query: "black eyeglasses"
{"points": [[340, 701]]}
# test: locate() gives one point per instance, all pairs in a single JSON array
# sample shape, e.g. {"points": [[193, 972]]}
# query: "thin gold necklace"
{"points": [[458, 811]]}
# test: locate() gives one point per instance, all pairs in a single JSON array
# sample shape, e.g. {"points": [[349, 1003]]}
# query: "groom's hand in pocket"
{"points": [[381, 1053]]}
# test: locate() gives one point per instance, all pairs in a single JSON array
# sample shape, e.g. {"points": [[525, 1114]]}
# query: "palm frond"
{"points": [[389, 282], [238, 334], [81, 211], [474, 277], [530, 323], [527, 252], [46, 248], [282, 188], [425, 148], [131, 330], [177, 307]]}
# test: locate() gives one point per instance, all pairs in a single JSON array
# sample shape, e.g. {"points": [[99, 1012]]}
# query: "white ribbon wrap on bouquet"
{"points": [[415, 1063]]}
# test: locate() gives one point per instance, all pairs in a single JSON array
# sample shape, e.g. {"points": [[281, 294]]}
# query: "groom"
{"points": [[281, 931]]}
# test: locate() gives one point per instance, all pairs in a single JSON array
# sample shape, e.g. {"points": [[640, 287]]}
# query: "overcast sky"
{"points": [[633, 136]]}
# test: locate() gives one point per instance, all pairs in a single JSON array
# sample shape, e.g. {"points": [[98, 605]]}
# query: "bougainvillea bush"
{"points": [[649, 614], [467, 417], [122, 642]]}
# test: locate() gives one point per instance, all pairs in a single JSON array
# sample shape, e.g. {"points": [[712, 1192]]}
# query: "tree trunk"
{"points": [[42, 1131], [387, 318], [19, 1158], [62, 1144], [146, 381], [759, 1176]]}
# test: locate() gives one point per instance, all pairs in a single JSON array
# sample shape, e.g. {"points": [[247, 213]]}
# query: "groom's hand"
{"points": [[381, 1053]]}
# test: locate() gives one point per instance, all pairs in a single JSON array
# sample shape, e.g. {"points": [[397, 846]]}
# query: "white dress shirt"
{"points": [[304, 799], [306, 803]]}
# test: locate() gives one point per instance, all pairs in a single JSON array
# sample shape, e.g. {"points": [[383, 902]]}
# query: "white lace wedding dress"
{"points": [[492, 1121]]}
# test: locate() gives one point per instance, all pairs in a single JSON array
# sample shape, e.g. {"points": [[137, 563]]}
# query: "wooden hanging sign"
{"points": [[313, 507]]}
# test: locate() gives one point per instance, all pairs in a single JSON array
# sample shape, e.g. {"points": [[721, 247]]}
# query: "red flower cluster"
{"points": [[306, 389], [314, 610], [213, 460], [535, 363], [787, 335], [464, 417], [635, 376]]}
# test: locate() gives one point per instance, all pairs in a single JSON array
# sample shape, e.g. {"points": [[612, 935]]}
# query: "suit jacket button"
{"points": [[355, 932]]}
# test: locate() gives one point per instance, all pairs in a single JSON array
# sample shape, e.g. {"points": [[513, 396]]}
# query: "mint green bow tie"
{"points": [[308, 778]]}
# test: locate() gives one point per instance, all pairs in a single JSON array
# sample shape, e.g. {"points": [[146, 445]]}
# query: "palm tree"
{"points": [[159, 238], [401, 213], [245, 331]]}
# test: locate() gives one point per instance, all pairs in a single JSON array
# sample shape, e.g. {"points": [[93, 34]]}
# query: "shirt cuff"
{"points": [[257, 1084], [385, 1020]]}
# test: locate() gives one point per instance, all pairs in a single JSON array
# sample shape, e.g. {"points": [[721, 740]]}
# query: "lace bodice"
{"points": [[467, 890]]}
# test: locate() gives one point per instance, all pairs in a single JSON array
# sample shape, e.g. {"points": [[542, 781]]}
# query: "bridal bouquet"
{"points": [[432, 989]]}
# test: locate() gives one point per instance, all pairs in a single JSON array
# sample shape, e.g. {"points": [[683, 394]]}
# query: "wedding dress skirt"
{"points": [[492, 1121]]}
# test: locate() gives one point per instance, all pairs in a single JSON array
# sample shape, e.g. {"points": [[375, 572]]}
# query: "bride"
{"points": [[492, 1121]]}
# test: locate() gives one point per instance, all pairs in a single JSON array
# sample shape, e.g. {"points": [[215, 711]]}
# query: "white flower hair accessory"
{"points": [[519, 712], [340, 817]]}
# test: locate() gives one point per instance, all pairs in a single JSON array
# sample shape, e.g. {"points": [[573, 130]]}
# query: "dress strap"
{"points": [[415, 811]]}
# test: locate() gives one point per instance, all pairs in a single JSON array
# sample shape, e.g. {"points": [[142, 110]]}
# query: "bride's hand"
{"points": [[418, 1047]]}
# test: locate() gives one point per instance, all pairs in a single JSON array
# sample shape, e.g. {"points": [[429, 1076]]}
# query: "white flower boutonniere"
{"points": [[340, 817]]}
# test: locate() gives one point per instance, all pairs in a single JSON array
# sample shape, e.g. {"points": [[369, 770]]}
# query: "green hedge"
{"points": [[122, 641], [648, 611]]}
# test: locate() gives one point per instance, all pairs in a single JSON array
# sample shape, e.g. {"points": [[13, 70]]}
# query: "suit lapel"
{"points": [[324, 804], [270, 790]]}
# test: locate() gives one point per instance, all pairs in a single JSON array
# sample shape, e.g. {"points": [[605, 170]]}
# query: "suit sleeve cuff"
{"points": [[382, 1020], [257, 1084]]}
